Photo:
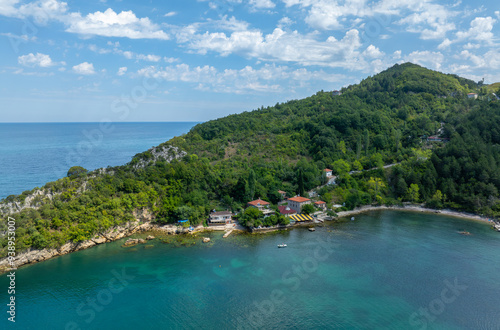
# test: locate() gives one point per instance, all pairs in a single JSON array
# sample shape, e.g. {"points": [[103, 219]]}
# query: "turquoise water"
{"points": [[377, 272], [34, 154]]}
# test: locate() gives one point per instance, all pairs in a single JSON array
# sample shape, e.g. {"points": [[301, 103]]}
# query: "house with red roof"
{"points": [[296, 203], [262, 205], [286, 210], [328, 172], [320, 204]]}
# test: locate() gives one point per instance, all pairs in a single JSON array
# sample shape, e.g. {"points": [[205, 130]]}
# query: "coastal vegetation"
{"points": [[224, 163]]}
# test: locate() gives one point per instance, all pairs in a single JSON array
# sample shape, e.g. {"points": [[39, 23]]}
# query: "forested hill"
{"points": [[227, 162]]}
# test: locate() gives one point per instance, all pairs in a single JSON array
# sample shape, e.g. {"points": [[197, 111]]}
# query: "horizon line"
{"points": [[96, 122]]}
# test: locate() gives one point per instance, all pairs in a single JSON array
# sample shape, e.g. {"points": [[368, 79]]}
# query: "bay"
{"points": [[377, 272]]}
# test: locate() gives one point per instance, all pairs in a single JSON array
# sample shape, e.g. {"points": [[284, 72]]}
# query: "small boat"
{"points": [[463, 232], [312, 229], [283, 245], [352, 219]]}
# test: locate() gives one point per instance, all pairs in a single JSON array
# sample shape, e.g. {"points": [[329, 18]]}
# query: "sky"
{"points": [[196, 60]]}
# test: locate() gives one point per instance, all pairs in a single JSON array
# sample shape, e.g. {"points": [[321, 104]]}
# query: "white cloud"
{"points": [[432, 60], [7, 7], [262, 4], [480, 29], [285, 22], [42, 11], [31, 60], [373, 52], [122, 71], [327, 15], [107, 24], [280, 45], [432, 21], [84, 68], [127, 54], [445, 44], [170, 14], [488, 61], [265, 79], [112, 24]]}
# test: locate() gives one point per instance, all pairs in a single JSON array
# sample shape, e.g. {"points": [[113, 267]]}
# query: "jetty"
{"points": [[227, 233]]}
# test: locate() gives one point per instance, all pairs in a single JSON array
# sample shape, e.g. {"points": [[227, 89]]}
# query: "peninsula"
{"points": [[331, 148]]}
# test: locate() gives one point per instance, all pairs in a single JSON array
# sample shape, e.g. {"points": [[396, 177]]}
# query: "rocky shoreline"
{"points": [[144, 225], [33, 256]]}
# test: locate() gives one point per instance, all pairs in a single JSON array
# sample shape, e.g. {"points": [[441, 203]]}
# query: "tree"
{"points": [[76, 172], [376, 184], [307, 209], [239, 189], [413, 193], [251, 185], [356, 165], [367, 141], [438, 195], [301, 190], [342, 147], [250, 217], [341, 167]]}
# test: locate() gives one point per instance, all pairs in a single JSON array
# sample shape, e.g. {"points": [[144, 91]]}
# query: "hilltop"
{"points": [[224, 163]]}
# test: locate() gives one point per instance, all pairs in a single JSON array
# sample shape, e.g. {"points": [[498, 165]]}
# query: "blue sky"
{"points": [[194, 60]]}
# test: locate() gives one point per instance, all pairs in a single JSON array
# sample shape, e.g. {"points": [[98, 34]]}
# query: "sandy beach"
{"points": [[416, 208]]}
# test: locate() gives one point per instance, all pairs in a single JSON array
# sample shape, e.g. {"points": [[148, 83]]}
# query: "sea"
{"points": [[383, 270], [36, 153]]}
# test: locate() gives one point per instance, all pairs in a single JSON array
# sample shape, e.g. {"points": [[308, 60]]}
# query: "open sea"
{"points": [[384, 270], [34, 154]]}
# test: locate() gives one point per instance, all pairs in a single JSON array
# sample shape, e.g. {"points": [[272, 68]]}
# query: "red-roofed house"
{"points": [[286, 211], [296, 203], [320, 204], [328, 172], [263, 206]]}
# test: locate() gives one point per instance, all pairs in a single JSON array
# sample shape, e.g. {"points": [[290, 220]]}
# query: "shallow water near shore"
{"points": [[379, 271]]}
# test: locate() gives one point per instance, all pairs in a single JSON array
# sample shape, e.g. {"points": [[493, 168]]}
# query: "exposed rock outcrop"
{"points": [[134, 241], [167, 153]]}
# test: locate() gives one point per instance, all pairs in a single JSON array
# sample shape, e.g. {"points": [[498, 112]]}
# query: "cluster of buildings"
{"points": [[291, 207], [293, 210]]}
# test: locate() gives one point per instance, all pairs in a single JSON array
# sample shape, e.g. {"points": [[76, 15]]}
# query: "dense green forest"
{"points": [[385, 119]]}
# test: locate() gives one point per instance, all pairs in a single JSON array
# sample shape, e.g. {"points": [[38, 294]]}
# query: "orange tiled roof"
{"points": [[299, 199], [257, 202], [320, 202]]}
